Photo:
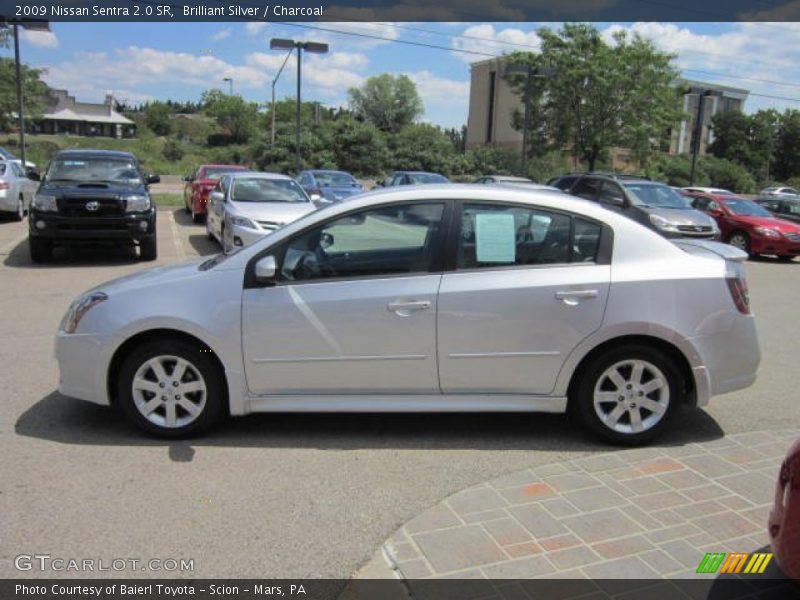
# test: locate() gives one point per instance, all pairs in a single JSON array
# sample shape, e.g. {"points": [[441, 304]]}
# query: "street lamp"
{"points": [[697, 134], [313, 47], [230, 84], [530, 71], [275, 81]]}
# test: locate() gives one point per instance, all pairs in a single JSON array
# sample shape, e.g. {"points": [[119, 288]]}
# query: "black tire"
{"points": [[745, 241], [785, 257], [19, 213], [198, 218], [148, 247], [186, 208], [41, 250], [200, 360], [592, 375]]}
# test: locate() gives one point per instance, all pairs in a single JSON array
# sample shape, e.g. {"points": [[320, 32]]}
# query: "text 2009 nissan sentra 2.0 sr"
{"points": [[424, 298]]}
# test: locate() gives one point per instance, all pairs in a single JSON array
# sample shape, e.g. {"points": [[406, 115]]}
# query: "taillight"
{"points": [[4, 185], [737, 286]]}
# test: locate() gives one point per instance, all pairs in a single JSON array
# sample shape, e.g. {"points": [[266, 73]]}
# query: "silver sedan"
{"points": [[245, 206], [421, 299], [16, 190]]}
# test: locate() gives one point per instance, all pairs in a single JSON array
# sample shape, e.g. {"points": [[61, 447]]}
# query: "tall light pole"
{"points": [[230, 84], [274, 82], [530, 71], [697, 133], [313, 47]]}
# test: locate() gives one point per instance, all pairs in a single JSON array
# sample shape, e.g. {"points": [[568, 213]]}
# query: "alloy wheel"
{"points": [[631, 396], [169, 391], [739, 241]]}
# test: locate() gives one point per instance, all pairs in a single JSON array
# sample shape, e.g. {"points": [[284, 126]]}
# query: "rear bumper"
{"points": [[200, 202], [130, 227]]}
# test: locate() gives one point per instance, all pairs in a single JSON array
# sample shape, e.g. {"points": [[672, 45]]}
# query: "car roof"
{"points": [[236, 167], [417, 173], [258, 175], [87, 153], [509, 178], [326, 171]]}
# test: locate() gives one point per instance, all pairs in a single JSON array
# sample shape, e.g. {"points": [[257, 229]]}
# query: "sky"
{"points": [[159, 61]]}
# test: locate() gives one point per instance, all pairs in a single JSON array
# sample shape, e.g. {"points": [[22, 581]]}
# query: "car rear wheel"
{"points": [[740, 240], [41, 250], [148, 248], [171, 388], [628, 395], [19, 214]]}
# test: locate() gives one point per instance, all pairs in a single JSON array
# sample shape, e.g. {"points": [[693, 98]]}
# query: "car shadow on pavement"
{"points": [[79, 256], [198, 238], [60, 419]]}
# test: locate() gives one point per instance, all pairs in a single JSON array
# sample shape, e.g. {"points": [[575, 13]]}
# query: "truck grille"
{"points": [[82, 207]]}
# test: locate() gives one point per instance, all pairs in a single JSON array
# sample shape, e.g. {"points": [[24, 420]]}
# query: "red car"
{"points": [[199, 185], [746, 225], [784, 518]]}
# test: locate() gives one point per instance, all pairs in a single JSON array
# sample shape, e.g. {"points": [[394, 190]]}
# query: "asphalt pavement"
{"points": [[274, 495]]}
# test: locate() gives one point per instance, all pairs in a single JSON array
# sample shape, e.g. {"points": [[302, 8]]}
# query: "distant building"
{"points": [[492, 104], [64, 115]]}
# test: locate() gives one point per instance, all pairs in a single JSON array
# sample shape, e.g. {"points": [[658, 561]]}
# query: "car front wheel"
{"points": [[41, 250], [628, 395], [740, 240], [171, 389]]}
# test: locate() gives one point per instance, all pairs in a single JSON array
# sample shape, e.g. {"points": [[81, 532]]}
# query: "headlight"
{"points": [[242, 222], [315, 196], [662, 223], [45, 202], [767, 232], [136, 203], [79, 308]]}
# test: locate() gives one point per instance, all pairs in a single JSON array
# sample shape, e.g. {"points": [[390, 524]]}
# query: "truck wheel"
{"points": [[148, 249], [41, 250], [19, 214]]}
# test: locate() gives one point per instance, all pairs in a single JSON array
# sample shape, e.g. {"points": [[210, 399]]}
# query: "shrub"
{"points": [[172, 151]]}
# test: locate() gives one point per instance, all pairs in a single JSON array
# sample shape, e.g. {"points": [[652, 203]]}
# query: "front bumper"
{"points": [[777, 247], [130, 227], [83, 363], [244, 236]]}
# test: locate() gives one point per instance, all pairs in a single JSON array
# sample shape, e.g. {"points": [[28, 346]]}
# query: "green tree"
{"points": [[359, 148], [422, 147], [748, 140], [787, 148], [34, 91], [172, 151], [390, 102], [158, 118], [601, 95], [236, 117]]}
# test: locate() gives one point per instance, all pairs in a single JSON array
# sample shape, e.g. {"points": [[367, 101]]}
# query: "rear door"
{"points": [[529, 285]]}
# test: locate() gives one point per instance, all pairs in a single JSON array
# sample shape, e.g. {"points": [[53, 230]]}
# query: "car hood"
{"points": [[772, 222], [85, 190], [681, 216], [151, 277], [277, 212]]}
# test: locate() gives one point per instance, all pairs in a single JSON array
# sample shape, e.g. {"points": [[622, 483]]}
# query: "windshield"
{"points": [[332, 178], [427, 178], [661, 196], [107, 170], [746, 208], [259, 189], [217, 172]]}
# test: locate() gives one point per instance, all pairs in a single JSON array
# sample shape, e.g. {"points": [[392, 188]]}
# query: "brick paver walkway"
{"points": [[642, 513]]}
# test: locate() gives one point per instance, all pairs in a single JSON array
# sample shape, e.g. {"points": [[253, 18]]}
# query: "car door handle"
{"points": [[573, 297], [405, 308]]}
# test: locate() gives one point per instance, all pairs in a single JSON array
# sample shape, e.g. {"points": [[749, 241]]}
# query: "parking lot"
{"points": [[275, 495]]}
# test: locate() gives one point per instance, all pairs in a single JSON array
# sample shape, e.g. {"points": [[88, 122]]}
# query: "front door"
{"points": [[354, 307], [530, 284]]}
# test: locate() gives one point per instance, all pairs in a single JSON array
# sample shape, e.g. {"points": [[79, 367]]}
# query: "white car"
{"points": [[424, 299], [778, 192], [16, 190], [708, 190], [245, 206]]}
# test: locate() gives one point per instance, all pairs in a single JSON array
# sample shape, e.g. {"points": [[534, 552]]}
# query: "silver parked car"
{"points": [[779, 192], [16, 190], [422, 299], [245, 206]]}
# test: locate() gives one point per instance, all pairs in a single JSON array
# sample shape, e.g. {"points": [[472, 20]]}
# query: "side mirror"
{"points": [[326, 241], [33, 175], [266, 268], [216, 196], [153, 178]]}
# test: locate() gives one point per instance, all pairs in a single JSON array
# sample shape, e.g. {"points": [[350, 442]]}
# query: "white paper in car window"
{"points": [[495, 238]]}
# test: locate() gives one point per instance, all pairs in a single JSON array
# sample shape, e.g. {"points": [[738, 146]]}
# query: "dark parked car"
{"points": [[324, 186], [783, 208], [784, 518], [412, 178], [93, 196], [653, 204], [749, 226]]}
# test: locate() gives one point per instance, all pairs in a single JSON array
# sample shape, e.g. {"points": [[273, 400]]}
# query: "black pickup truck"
{"points": [[90, 197]]}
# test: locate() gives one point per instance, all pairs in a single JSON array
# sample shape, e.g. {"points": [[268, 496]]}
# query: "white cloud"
{"points": [[254, 27], [221, 34], [446, 100], [486, 39], [327, 73], [43, 39]]}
